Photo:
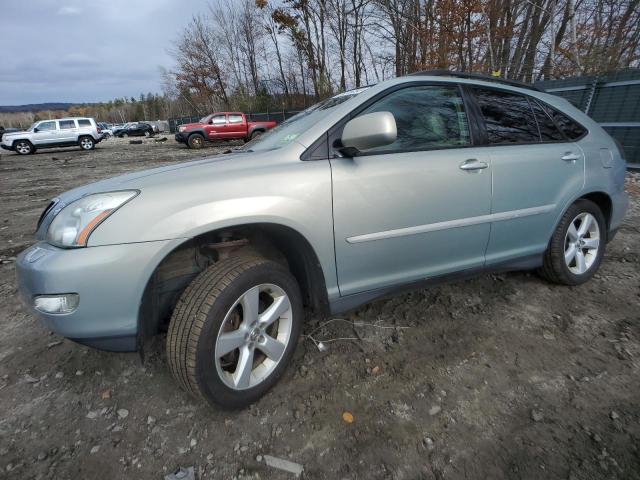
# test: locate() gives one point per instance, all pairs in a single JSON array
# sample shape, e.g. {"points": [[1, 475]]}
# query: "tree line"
{"points": [[273, 54], [270, 55]]}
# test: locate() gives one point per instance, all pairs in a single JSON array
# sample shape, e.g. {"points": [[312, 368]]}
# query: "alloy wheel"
{"points": [[582, 243], [253, 336], [23, 148], [86, 143]]}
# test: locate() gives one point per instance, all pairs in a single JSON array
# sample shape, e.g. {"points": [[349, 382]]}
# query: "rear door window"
{"points": [[235, 119], [508, 117], [67, 124]]}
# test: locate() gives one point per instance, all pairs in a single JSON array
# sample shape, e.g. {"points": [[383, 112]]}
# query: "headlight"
{"points": [[75, 222], [181, 129]]}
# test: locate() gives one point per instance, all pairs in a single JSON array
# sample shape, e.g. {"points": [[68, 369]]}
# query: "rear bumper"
{"points": [[619, 205], [110, 281]]}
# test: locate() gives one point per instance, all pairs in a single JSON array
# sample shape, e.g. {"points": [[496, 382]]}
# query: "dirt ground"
{"points": [[503, 376]]}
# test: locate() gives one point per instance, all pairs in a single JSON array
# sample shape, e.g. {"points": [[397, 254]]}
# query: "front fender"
{"points": [[185, 203]]}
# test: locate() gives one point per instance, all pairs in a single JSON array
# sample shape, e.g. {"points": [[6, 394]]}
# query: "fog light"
{"points": [[57, 304]]}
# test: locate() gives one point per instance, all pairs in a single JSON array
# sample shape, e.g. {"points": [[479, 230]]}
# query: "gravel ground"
{"points": [[503, 376]]}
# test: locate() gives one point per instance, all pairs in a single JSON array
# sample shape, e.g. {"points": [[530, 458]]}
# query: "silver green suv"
{"points": [[406, 183]]}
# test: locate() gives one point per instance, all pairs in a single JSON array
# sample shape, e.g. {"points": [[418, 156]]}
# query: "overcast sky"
{"points": [[86, 51]]}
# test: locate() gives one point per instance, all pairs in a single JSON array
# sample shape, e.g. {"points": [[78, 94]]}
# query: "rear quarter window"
{"points": [[84, 123], [572, 129], [549, 131]]}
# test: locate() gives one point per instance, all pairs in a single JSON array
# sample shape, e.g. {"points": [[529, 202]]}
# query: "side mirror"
{"points": [[36, 130], [368, 131]]}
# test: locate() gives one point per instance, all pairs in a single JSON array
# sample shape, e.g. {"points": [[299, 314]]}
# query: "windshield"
{"points": [[292, 128], [205, 119]]}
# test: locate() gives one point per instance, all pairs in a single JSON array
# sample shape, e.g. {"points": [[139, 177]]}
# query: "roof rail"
{"points": [[477, 76]]}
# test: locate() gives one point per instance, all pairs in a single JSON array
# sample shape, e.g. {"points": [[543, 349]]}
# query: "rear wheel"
{"points": [[577, 246], [256, 134], [195, 141], [234, 330], [86, 143], [24, 147]]}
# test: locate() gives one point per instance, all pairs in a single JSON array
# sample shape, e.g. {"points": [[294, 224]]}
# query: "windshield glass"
{"points": [[205, 119], [32, 127], [287, 131]]}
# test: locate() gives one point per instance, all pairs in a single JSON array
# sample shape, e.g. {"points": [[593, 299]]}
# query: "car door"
{"points": [[67, 131], [217, 128], [416, 208], [236, 127], [45, 133], [537, 170]]}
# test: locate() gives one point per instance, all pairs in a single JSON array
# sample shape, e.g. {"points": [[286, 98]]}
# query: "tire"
{"points": [[86, 143], [573, 258], [256, 134], [210, 313], [124, 135], [195, 141], [24, 147]]}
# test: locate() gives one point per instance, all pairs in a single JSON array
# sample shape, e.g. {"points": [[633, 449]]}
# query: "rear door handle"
{"points": [[473, 164], [570, 157]]}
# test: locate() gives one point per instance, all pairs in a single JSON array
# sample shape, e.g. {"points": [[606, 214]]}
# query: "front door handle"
{"points": [[570, 157], [473, 164]]}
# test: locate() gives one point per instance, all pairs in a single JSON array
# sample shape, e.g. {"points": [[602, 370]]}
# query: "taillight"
{"points": [[99, 130]]}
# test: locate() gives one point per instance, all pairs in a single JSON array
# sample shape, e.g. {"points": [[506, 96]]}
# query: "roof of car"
{"points": [[475, 76]]}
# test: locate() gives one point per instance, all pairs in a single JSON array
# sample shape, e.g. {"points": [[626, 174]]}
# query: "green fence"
{"points": [[612, 100]]}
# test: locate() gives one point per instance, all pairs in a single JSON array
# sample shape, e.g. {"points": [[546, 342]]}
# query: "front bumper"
{"points": [[110, 281], [181, 138], [6, 147]]}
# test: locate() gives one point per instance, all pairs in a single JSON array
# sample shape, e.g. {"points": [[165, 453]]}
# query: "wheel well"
{"points": [[275, 242], [604, 202]]}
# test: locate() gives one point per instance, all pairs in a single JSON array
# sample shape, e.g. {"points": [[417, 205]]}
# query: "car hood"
{"points": [[208, 168], [6, 133], [189, 126], [159, 179]]}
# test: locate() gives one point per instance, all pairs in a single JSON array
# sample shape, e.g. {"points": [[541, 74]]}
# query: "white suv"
{"points": [[64, 132]]}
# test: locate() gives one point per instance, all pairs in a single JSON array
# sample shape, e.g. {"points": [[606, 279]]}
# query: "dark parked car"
{"points": [[134, 130]]}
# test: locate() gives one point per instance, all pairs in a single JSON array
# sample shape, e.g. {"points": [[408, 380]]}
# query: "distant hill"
{"points": [[35, 107]]}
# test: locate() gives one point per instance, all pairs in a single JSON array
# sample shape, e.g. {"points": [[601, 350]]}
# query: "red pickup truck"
{"points": [[221, 126]]}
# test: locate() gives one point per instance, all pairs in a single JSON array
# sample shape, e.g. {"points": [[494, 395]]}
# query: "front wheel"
{"points": [[24, 147], [234, 330], [195, 141], [577, 246]]}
